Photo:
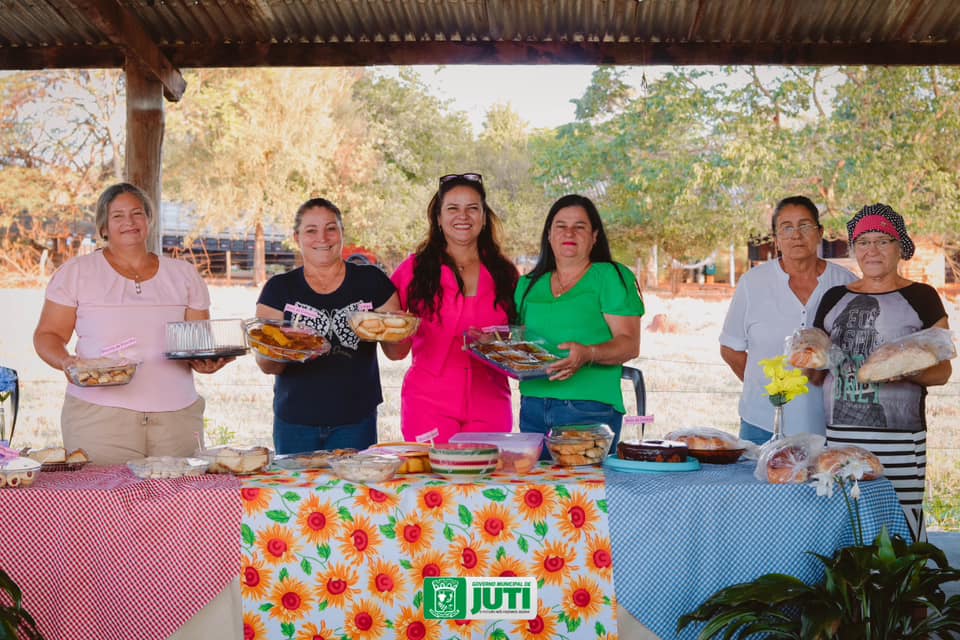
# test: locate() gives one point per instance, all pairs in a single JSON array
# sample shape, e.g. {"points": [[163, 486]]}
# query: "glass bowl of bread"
{"points": [[383, 326], [283, 341], [101, 372], [576, 445], [237, 460]]}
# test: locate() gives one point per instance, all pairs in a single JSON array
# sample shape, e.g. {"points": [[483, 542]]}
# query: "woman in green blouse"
{"points": [[584, 304]]}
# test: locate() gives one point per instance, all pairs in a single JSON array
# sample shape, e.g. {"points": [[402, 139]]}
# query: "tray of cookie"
{"points": [[510, 350]]}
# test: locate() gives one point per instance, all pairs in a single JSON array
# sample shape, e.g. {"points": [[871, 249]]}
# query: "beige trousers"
{"points": [[111, 435]]}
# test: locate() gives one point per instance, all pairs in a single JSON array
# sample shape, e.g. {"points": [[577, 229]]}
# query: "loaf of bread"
{"points": [[833, 459], [788, 465], [77, 456], [894, 360], [49, 455], [705, 439]]}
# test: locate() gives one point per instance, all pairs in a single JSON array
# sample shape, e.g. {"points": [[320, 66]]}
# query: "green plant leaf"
{"points": [[466, 518], [495, 495], [278, 516], [246, 533]]}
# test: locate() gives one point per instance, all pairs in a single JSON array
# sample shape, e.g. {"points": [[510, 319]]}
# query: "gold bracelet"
{"points": [[593, 357]]}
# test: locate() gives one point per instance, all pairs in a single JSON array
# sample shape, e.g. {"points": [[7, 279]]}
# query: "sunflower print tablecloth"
{"points": [[330, 559]]}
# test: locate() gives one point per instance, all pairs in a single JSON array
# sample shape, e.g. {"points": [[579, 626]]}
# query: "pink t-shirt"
{"points": [[110, 311]]}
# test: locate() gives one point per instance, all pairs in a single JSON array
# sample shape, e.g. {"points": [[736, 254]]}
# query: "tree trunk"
{"points": [[259, 256], [145, 122]]}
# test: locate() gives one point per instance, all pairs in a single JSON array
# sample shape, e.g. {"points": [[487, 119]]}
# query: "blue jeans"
{"points": [[753, 433], [538, 415], [289, 437]]}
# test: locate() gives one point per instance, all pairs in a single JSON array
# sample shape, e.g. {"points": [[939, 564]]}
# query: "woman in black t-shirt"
{"points": [[887, 418], [330, 402]]}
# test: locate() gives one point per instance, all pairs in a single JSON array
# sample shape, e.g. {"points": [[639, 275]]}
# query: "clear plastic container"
{"points": [[510, 350], [205, 339], [310, 459], [18, 472], [167, 467], [363, 468], [415, 455], [101, 372], [458, 459], [579, 444], [519, 452], [383, 326]]}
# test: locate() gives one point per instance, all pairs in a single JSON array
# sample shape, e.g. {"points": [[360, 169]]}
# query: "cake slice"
{"points": [[77, 456], [49, 455]]}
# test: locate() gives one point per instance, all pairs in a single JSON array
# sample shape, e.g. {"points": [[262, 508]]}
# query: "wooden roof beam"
{"points": [[125, 31]]}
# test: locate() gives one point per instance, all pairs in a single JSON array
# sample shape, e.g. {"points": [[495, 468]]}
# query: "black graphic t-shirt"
{"points": [[858, 323], [343, 386]]}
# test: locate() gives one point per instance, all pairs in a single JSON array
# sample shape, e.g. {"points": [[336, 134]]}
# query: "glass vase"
{"points": [[777, 422]]}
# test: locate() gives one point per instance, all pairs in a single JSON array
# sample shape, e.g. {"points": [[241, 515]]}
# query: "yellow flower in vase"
{"points": [[785, 385]]}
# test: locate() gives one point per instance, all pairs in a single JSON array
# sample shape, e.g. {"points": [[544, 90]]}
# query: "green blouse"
{"points": [[578, 316]]}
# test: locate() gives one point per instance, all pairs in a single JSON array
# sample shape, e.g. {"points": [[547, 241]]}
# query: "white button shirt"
{"points": [[763, 313]]}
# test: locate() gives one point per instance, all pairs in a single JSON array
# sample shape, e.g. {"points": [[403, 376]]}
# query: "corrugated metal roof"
{"points": [[36, 33]]}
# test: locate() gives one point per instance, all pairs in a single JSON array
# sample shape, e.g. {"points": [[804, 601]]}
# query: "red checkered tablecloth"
{"points": [[100, 553]]}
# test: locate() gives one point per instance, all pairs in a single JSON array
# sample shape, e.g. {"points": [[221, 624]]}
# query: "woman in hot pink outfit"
{"points": [[457, 279]]}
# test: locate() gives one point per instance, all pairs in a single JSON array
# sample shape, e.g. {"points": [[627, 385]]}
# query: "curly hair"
{"points": [[423, 295]]}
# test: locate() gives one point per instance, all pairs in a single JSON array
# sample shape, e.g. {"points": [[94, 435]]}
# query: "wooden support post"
{"points": [[144, 152]]}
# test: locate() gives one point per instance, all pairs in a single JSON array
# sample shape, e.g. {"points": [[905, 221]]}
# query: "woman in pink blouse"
{"points": [[457, 279], [119, 300]]}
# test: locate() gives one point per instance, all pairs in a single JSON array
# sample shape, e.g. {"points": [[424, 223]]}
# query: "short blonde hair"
{"points": [[110, 194]]}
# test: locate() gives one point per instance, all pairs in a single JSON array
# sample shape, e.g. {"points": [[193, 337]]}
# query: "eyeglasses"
{"points": [[804, 229], [469, 177], [862, 244]]}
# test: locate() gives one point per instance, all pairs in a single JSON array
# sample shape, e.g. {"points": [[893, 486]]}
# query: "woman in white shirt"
{"points": [[770, 303]]}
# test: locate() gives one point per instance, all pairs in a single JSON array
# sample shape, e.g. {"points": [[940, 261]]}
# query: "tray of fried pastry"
{"points": [[510, 350]]}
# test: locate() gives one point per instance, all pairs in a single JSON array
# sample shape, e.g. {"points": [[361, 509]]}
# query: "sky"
{"points": [[541, 94]]}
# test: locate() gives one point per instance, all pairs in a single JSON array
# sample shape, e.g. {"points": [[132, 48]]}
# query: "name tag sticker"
{"points": [[500, 328], [429, 435], [637, 420], [299, 310], [365, 306], [120, 346]]}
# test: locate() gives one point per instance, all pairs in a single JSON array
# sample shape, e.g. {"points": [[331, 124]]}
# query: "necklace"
{"points": [[562, 287], [125, 266]]}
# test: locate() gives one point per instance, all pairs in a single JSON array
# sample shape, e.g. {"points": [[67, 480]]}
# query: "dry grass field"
{"points": [[687, 385]]}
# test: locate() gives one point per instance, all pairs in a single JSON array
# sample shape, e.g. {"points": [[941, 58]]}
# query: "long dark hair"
{"points": [[423, 294], [547, 262]]}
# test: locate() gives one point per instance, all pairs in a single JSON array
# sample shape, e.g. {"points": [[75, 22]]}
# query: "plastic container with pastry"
{"points": [[579, 444], [159, 467], [510, 350], [383, 326], [310, 459], [710, 445], [282, 341], [415, 456], [519, 452], [652, 450], [101, 372], [18, 472], [835, 461], [238, 460]]}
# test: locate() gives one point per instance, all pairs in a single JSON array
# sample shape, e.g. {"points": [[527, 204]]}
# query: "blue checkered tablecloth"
{"points": [[677, 538]]}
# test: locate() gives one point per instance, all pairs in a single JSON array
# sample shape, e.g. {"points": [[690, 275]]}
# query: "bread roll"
{"points": [[809, 358], [809, 349], [833, 459], [894, 360]]}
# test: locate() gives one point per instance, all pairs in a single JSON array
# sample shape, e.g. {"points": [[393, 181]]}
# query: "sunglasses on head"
{"points": [[470, 177]]}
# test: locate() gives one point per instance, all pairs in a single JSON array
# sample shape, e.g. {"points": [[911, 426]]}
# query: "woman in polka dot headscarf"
{"points": [[887, 418]]}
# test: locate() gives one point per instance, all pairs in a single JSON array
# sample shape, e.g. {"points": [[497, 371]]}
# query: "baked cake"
{"points": [[652, 450]]}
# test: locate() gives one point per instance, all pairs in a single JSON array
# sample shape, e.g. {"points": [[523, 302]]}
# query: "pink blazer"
{"points": [[439, 341]]}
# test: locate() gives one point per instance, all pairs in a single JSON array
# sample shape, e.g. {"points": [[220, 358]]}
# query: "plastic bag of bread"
{"points": [[832, 460], [385, 326], [908, 355], [811, 349], [788, 460]]}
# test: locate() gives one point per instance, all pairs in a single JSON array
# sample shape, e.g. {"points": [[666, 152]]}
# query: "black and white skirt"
{"points": [[904, 458]]}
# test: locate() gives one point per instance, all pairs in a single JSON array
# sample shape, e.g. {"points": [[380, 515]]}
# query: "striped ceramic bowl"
{"points": [[458, 459]]}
